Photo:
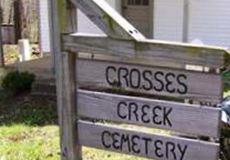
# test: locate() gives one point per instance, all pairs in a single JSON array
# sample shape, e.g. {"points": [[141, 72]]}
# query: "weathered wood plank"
{"points": [[143, 144], [185, 118], [159, 52], [150, 80], [108, 19], [71, 149], [65, 66]]}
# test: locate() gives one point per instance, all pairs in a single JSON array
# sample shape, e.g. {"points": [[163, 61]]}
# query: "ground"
{"points": [[11, 53]]}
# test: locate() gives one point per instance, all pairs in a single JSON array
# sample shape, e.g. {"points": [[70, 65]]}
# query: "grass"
{"points": [[227, 93], [21, 142], [227, 83], [28, 129]]}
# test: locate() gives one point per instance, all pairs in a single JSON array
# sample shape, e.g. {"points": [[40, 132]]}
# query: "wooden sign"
{"points": [[143, 144], [174, 116], [149, 80], [115, 83]]}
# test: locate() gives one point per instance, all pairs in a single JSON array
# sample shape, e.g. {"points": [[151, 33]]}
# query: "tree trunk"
{"points": [[24, 14], [7, 9], [2, 63], [29, 19], [17, 22]]}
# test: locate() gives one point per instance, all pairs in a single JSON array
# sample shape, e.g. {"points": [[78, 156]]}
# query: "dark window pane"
{"points": [[130, 2], [138, 2], [145, 2]]}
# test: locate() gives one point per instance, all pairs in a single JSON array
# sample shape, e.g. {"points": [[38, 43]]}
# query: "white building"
{"points": [[196, 21]]}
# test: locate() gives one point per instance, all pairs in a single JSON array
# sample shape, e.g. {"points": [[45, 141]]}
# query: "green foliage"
{"points": [[21, 142], [18, 81], [226, 76]]}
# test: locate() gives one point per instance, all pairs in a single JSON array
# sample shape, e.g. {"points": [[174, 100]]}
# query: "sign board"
{"points": [[149, 80], [190, 119], [143, 144]]}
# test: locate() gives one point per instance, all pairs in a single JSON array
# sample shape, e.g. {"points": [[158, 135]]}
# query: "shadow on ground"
{"points": [[27, 109]]}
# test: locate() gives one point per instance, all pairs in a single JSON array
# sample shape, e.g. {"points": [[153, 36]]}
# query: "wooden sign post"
{"points": [[125, 79]]}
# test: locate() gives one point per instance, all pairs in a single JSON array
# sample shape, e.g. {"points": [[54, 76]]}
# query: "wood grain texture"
{"points": [[145, 145], [159, 52], [55, 33], [108, 19], [71, 149], [65, 66], [184, 118], [144, 79]]}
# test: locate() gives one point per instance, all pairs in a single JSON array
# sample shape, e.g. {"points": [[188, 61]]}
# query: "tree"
{"points": [[1, 45]]}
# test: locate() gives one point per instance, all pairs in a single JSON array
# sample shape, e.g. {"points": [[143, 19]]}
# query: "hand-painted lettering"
{"points": [[156, 81], [135, 144], [109, 71], [158, 77], [121, 110], [104, 137], [144, 113], [158, 147]]}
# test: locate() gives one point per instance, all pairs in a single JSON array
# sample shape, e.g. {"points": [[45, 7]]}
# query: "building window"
{"points": [[138, 2]]}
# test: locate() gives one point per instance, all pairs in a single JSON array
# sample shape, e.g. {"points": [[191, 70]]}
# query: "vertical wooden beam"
{"points": [[2, 62], [72, 18], [66, 16], [56, 25], [65, 66], [72, 149], [185, 21], [151, 20]]}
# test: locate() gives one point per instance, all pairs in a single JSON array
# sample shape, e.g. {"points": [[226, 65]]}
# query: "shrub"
{"points": [[18, 81]]}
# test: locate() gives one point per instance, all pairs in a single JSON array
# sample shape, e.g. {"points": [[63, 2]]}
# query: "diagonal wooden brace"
{"points": [[108, 20]]}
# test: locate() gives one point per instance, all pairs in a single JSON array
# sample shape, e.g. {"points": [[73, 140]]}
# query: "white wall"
{"points": [[116, 4], [210, 21], [86, 26], [168, 20], [44, 26]]}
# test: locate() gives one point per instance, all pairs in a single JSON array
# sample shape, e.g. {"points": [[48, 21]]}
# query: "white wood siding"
{"points": [[168, 19], [86, 26], [44, 26], [210, 21]]}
